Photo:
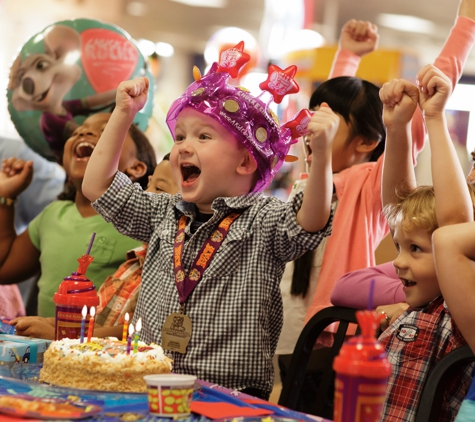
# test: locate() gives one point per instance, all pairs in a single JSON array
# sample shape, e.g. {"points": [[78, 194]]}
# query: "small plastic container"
{"points": [[73, 293], [362, 374], [169, 395]]}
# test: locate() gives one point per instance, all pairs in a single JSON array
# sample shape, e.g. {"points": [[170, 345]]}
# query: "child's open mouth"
{"points": [[189, 173], [407, 283], [84, 150]]}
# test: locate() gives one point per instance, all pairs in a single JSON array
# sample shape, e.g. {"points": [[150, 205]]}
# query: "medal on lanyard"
{"points": [[176, 330]]}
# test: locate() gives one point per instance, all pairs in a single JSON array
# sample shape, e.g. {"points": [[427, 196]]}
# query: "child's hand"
{"points": [[400, 99], [359, 37], [435, 89], [15, 176], [34, 327], [132, 95], [392, 312], [322, 128]]}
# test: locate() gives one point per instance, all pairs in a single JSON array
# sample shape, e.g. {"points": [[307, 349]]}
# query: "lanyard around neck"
{"points": [[185, 284]]}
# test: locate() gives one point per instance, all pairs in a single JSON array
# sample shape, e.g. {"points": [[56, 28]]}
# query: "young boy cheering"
{"points": [[217, 251], [425, 332]]}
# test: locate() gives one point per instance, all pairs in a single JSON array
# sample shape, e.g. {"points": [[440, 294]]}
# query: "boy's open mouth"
{"points": [[84, 149], [189, 173], [408, 283]]}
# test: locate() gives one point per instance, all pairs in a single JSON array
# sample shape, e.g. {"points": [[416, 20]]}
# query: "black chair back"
{"points": [[430, 404], [292, 384]]}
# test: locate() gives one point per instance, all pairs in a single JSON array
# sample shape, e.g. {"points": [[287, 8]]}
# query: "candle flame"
{"points": [[131, 329], [84, 311], [138, 326], [92, 311], [126, 316]]}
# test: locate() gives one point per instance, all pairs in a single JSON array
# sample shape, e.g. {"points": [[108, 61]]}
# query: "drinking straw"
{"points": [[90, 243], [371, 294]]}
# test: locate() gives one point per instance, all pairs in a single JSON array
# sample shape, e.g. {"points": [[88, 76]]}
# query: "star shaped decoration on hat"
{"points": [[280, 82], [232, 59], [298, 126]]}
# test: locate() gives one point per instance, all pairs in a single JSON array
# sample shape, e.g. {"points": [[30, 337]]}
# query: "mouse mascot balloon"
{"points": [[65, 73]]}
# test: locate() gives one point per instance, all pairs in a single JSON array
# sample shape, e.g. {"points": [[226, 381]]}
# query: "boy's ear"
{"points": [[136, 171], [364, 145], [247, 165]]}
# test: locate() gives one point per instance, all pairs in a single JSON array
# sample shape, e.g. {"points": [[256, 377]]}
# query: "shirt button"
{"points": [[165, 232]]}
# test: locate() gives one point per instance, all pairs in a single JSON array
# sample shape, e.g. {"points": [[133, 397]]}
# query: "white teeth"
{"points": [[85, 144], [84, 149]]}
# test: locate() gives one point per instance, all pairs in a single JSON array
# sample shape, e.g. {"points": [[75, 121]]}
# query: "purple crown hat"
{"points": [[248, 118]]}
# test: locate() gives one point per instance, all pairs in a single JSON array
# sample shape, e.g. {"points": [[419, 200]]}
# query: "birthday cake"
{"points": [[102, 364]]}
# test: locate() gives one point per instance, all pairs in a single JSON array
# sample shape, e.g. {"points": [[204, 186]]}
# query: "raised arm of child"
{"points": [[357, 38], [103, 164], [453, 203], [400, 99], [19, 259], [454, 255], [316, 205], [450, 61]]}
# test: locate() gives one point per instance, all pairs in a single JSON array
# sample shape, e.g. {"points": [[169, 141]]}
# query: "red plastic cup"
{"points": [[362, 373], [73, 293]]}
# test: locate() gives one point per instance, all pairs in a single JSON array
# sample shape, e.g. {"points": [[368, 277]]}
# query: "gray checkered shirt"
{"points": [[236, 309]]}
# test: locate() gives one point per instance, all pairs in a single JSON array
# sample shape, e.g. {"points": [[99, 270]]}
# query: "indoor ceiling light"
{"points": [[203, 3], [228, 36], [146, 47], [406, 23], [136, 8], [303, 39], [164, 49]]}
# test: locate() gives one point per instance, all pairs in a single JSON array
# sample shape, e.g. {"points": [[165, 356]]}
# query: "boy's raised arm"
{"points": [[399, 99], [454, 256], [453, 203], [316, 205], [103, 164]]}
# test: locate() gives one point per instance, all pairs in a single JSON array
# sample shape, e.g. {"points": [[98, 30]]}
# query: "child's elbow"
{"points": [[90, 191]]}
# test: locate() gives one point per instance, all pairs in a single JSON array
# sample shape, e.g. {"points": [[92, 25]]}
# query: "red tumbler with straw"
{"points": [[73, 293], [362, 373]]}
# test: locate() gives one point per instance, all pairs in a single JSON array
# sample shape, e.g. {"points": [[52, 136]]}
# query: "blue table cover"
{"points": [[22, 378]]}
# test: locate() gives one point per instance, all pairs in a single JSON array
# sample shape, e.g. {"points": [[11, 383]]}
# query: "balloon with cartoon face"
{"points": [[67, 72]]}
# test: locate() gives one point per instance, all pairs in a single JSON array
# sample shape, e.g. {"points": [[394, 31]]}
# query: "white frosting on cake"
{"points": [[102, 364], [107, 349]]}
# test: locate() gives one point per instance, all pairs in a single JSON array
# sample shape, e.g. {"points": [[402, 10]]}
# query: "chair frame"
{"points": [[292, 384], [430, 403]]}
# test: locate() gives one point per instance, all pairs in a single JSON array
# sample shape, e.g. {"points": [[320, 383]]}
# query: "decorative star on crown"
{"points": [[299, 125], [232, 59], [280, 82]]}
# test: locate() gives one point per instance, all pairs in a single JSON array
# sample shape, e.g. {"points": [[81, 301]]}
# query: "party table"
{"points": [[210, 402]]}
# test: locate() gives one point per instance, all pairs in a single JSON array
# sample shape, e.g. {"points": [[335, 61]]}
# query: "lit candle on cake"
{"points": [[129, 338], [138, 327], [90, 329], [126, 326], [83, 323]]}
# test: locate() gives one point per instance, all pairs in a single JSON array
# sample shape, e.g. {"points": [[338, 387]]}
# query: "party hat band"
{"points": [[248, 118]]}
